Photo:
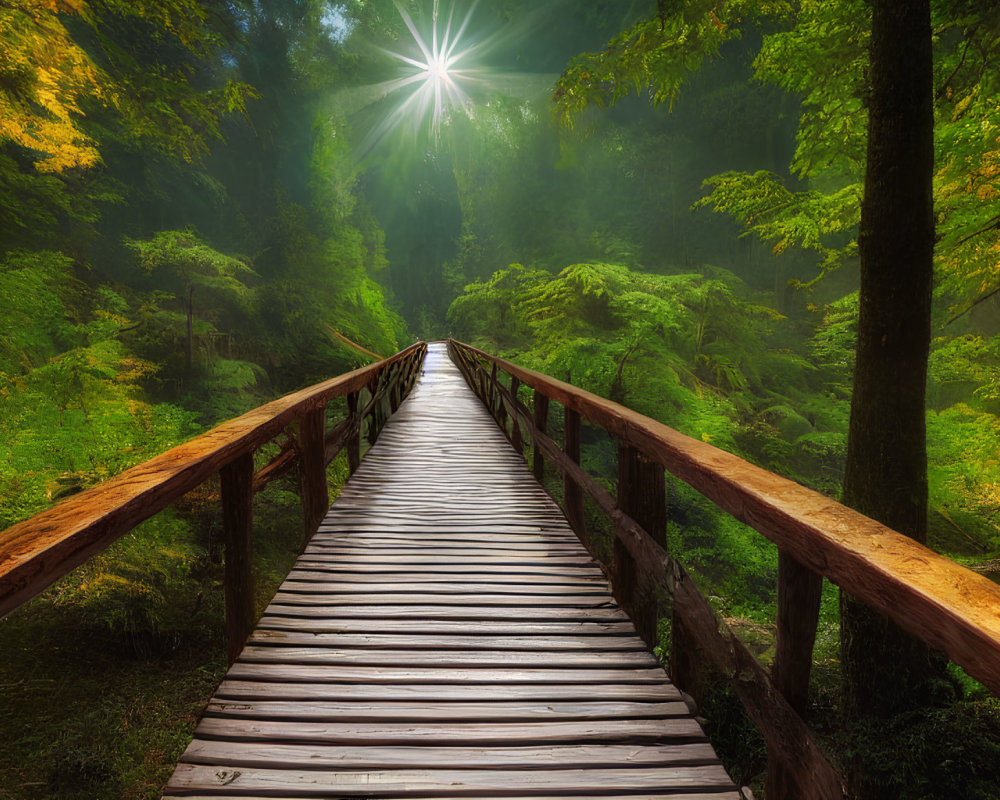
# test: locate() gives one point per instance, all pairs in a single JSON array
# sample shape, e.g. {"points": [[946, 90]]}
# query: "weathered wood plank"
{"points": [[286, 604], [483, 733], [442, 641], [324, 757], [430, 693], [411, 676], [707, 794], [449, 783], [595, 601], [332, 623], [430, 711], [636, 659]]}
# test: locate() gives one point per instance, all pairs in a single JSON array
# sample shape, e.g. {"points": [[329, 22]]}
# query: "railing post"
{"points": [[485, 390], [236, 479], [499, 409], [312, 470], [799, 593], [541, 419], [354, 440], [573, 494], [515, 426], [642, 496]]}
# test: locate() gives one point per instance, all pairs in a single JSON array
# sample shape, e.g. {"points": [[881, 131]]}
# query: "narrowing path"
{"points": [[446, 635]]}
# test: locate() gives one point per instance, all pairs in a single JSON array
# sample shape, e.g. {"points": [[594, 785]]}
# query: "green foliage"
{"points": [[938, 752], [33, 325], [655, 57]]}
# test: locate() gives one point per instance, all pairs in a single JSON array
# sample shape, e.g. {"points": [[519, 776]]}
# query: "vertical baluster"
{"points": [[312, 471], [236, 479], [541, 418], [354, 440], [515, 424], [642, 496], [572, 494], [799, 593]]}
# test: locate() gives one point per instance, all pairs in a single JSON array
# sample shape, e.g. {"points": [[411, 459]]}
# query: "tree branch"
{"points": [[975, 303]]}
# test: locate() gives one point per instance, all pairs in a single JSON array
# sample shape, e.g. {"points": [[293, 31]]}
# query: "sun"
{"points": [[435, 72]]}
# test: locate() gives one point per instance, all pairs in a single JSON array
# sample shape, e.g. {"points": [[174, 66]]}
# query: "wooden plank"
{"points": [[464, 557], [497, 586], [325, 757], [531, 572], [598, 601], [637, 659], [231, 689], [348, 673], [441, 641], [430, 711], [380, 734], [298, 605], [334, 624], [449, 783], [706, 794]]}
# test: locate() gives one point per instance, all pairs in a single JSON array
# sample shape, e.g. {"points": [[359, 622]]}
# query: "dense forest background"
{"points": [[200, 200]]}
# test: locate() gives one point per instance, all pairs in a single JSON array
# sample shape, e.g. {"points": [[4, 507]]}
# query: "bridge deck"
{"points": [[445, 635]]}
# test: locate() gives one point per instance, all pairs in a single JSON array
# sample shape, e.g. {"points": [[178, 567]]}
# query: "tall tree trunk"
{"points": [[886, 471]]}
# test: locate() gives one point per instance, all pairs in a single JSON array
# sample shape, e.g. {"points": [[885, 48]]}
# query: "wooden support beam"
{"points": [[236, 480], [515, 427], [312, 471], [641, 495], [572, 494], [541, 422], [799, 593], [354, 442], [788, 739]]}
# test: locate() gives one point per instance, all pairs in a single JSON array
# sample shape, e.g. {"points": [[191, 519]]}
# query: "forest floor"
{"points": [[91, 712]]}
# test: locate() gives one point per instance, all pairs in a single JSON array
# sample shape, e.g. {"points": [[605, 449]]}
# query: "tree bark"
{"points": [[886, 470]]}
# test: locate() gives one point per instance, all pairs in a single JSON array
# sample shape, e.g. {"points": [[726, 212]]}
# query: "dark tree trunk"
{"points": [[886, 471]]}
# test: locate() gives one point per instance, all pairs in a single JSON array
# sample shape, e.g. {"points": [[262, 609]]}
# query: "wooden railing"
{"points": [[947, 606], [39, 551]]}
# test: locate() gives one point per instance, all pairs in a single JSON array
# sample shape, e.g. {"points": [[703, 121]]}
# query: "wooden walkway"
{"points": [[445, 635]]}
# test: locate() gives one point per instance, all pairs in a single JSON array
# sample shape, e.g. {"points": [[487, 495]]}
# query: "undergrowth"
{"points": [[104, 675]]}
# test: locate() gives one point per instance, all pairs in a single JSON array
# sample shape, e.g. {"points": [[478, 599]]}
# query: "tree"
{"points": [[191, 265], [886, 469]]}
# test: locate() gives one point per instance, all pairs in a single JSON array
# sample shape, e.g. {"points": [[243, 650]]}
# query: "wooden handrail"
{"points": [[938, 601], [40, 550]]}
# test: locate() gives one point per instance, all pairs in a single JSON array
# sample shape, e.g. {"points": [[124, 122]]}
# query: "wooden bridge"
{"points": [[448, 632]]}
